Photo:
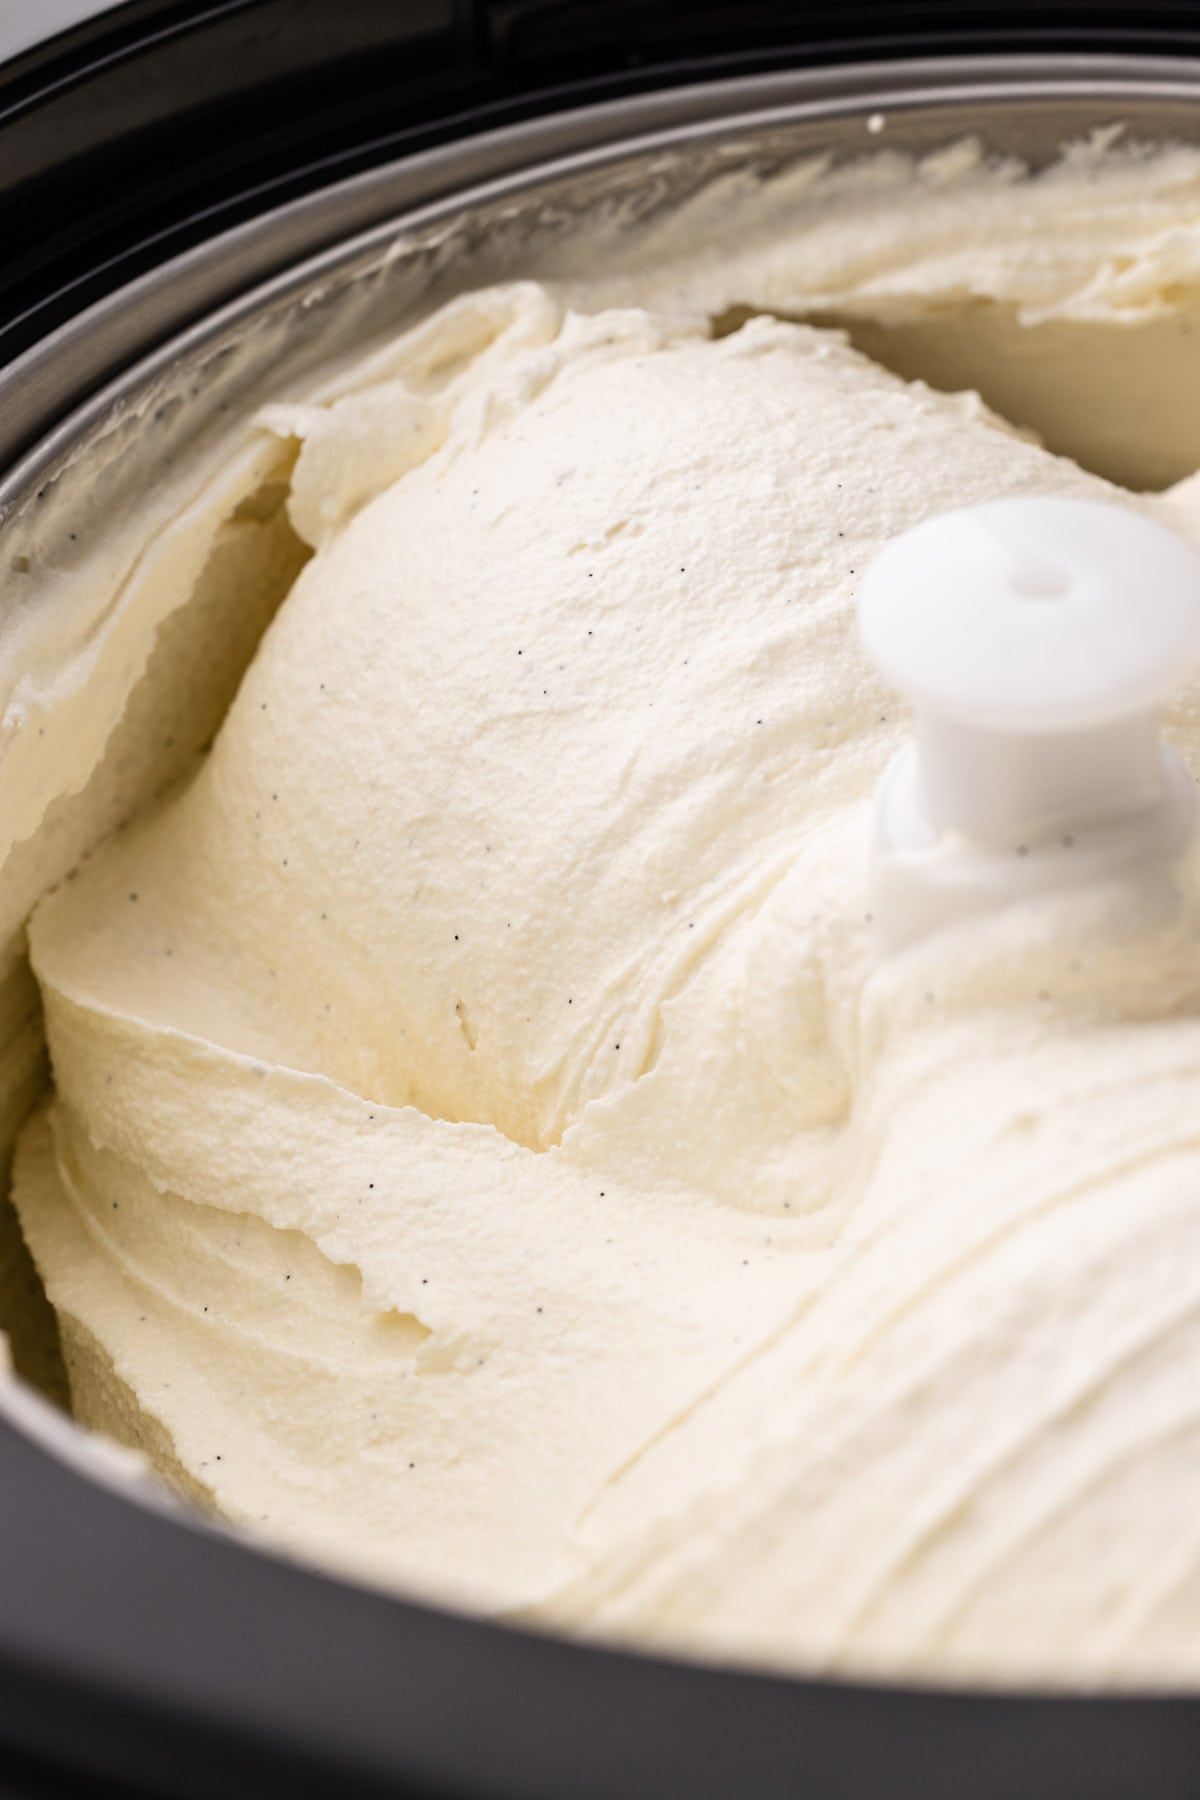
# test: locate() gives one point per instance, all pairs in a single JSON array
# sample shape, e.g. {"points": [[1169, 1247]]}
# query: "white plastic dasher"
{"points": [[1037, 640]]}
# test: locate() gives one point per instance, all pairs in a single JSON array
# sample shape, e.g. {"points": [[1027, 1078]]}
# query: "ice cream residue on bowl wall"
{"points": [[486, 1154]]}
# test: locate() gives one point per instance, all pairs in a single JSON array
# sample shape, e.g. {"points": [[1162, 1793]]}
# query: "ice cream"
{"points": [[488, 1154]]}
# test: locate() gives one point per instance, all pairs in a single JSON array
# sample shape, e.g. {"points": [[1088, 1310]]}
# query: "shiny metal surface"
{"points": [[1023, 105]]}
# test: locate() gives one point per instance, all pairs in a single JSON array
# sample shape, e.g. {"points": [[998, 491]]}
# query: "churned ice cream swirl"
{"points": [[486, 1153]]}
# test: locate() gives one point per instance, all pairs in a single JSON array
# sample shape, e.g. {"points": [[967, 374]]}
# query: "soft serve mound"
{"points": [[487, 1152]]}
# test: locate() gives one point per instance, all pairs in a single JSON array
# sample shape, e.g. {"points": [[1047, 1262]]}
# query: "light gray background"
{"points": [[24, 23]]}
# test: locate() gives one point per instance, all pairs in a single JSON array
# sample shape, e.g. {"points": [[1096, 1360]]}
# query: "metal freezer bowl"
{"points": [[153, 1650]]}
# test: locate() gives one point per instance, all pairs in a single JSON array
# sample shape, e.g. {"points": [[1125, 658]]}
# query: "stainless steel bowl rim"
{"points": [[72, 371]]}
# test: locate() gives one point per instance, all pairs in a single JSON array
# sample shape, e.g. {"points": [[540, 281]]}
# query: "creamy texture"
{"points": [[486, 1151]]}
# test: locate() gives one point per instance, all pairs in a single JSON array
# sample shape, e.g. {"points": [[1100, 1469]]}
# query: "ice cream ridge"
{"points": [[496, 1148]]}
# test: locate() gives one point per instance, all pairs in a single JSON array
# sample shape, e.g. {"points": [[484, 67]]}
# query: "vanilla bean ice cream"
{"points": [[486, 1152]]}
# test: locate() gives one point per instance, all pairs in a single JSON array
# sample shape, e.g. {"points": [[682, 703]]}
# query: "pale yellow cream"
{"points": [[487, 1154]]}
